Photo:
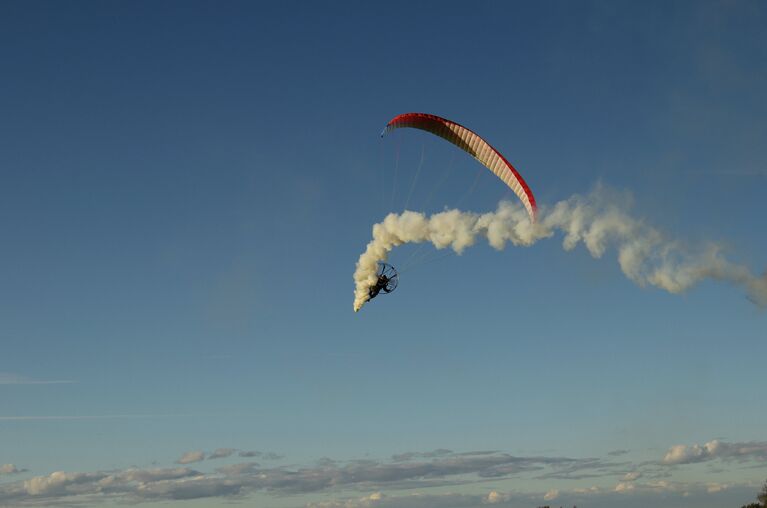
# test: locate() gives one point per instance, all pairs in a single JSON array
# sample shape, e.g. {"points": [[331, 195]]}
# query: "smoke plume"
{"points": [[599, 220]]}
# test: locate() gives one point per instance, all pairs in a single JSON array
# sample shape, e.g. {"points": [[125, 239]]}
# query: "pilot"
{"points": [[381, 283]]}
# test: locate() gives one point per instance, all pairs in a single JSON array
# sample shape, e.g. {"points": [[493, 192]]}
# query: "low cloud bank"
{"points": [[136, 485], [418, 472]]}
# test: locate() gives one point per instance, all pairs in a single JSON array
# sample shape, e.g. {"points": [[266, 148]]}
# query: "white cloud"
{"points": [[10, 469], [683, 454], [550, 495], [624, 487], [371, 500], [594, 497], [631, 476], [61, 483], [661, 485], [688, 454], [587, 490], [414, 500], [494, 497], [190, 457], [716, 487]]}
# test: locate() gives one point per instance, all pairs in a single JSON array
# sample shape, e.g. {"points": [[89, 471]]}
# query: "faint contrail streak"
{"points": [[84, 417]]}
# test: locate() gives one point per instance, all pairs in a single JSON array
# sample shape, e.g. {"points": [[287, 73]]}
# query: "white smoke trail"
{"points": [[599, 220]]}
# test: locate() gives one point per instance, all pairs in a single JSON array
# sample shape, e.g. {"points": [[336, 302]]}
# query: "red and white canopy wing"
{"points": [[471, 143]]}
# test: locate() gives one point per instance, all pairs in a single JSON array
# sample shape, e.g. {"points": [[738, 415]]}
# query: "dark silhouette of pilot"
{"points": [[381, 283]]}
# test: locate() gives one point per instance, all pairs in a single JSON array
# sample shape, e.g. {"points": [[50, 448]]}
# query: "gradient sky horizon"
{"points": [[185, 188]]}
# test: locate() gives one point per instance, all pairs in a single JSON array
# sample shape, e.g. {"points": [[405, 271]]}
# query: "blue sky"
{"points": [[185, 188]]}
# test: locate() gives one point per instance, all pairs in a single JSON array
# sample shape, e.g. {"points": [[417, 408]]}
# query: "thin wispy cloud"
{"points": [[259, 454], [190, 457], [8, 378], [244, 468], [732, 172], [584, 468], [11, 418], [401, 457], [221, 453]]}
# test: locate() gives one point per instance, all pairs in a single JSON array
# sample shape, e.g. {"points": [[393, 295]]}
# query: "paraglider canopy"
{"points": [[468, 141]]}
